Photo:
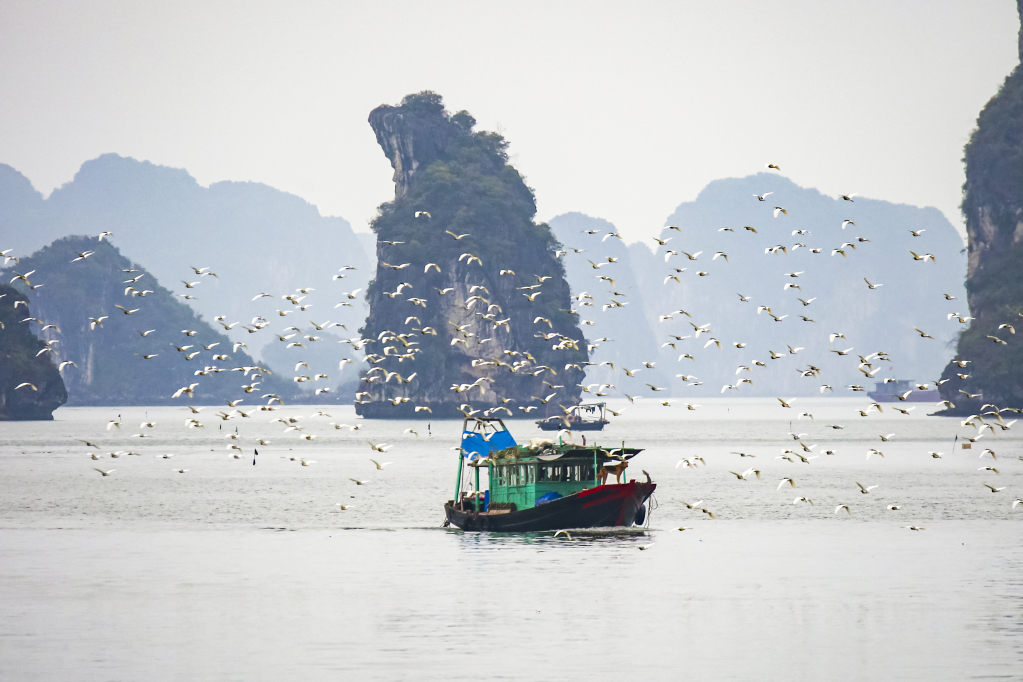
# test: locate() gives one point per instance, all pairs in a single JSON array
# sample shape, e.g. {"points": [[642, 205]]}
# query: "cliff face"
{"points": [[21, 361], [993, 208], [109, 364], [450, 302]]}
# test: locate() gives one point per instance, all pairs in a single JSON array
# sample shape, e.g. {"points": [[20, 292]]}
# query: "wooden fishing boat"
{"points": [[581, 417], [546, 485]]}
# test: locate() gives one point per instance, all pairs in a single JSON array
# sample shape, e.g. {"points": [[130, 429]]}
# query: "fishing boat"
{"points": [[545, 485], [581, 417], [896, 391]]}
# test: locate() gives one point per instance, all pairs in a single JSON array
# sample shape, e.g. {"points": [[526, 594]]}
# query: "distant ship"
{"points": [[582, 417], [893, 391]]}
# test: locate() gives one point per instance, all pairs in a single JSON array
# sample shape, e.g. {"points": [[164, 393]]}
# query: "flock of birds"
{"points": [[401, 347], [190, 349]]}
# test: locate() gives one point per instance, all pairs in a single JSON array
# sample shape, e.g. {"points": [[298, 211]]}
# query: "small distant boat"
{"points": [[546, 485], [581, 417], [893, 391]]}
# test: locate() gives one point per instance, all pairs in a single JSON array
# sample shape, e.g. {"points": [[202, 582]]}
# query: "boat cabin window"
{"points": [[565, 473], [502, 475], [550, 472]]}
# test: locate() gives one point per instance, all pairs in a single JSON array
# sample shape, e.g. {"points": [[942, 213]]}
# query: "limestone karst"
{"points": [[993, 208], [468, 288], [24, 359]]}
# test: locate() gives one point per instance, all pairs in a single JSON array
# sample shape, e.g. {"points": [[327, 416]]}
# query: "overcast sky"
{"points": [[621, 110]]}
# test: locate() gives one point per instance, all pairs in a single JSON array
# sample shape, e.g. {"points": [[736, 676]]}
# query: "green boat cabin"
{"points": [[519, 476]]}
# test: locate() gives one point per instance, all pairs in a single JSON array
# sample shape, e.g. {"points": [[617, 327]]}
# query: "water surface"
{"points": [[234, 571]]}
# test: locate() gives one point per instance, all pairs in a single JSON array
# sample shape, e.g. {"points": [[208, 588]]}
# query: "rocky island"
{"points": [[470, 310], [131, 341], [988, 367], [25, 359]]}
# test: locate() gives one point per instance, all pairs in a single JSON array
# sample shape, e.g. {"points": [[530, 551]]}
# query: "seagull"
{"points": [[763, 197], [849, 197], [83, 256], [993, 489], [779, 209], [841, 507], [357, 481], [105, 473], [790, 481], [865, 490], [872, 286]]}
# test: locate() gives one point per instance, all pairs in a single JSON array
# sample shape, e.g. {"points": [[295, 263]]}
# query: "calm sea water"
{"points": [[238, 572]]}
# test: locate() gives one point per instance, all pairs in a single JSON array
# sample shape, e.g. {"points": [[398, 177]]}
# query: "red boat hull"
{"points": [[600, 507]]}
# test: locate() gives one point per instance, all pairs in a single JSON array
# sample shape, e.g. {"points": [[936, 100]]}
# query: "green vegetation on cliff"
{"points": [[23, 359], [469, 201], [993, 208]]}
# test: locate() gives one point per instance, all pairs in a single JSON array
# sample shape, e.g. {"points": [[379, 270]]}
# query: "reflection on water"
{"points": [[234, 571]]}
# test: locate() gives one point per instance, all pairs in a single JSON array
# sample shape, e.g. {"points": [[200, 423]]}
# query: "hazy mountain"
{"points": [[110, 367], [322, 356], [838, 298], [632, 339], [256, 238]]}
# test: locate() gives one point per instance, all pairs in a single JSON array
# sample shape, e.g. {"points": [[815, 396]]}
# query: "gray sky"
{"points": [[617, 109]]}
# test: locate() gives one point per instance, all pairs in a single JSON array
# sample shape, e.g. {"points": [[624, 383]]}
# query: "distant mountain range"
{"points": [[910, 293], [260, 240], [256, 238]]}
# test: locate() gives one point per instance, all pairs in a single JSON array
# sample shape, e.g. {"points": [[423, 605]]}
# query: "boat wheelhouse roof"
{"points": [[488, 441]]}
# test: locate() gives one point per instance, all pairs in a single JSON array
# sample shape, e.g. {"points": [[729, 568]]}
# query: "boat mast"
{"points": [[461, 456]]}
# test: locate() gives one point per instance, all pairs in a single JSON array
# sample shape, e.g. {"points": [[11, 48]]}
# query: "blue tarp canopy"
{"points": [[474, 447]]}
